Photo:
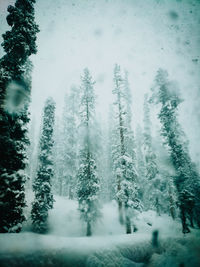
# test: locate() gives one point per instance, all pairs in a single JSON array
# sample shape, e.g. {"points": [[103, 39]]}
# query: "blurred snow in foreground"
{"points": [[65, 245]]}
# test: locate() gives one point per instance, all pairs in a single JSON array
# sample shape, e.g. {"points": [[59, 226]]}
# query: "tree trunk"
{"points": [[70, 192], [120, 206], [157, 206], [171, 203], [89, 230], [60, 187], [128, 221], [191, 220], [172, 212], [198, 223], [121, 133], [185, 228], [120, 209]]}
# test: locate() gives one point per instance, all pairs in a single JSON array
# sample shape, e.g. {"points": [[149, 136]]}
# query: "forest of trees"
{"points": [[77, 157]]}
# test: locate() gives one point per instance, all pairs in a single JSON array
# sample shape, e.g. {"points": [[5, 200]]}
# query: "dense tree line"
{"points": [[139, 171], [80, 158]]}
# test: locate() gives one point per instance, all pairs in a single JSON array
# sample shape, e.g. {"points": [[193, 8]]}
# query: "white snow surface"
{"points": [[64, 220], [66, 245]]}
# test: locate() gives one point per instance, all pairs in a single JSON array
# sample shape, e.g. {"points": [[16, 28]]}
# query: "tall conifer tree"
{"points": [[152, 196], [42, 184], [187, 179], [19, 44], [123, 152], [88, 181], [70, 140]]}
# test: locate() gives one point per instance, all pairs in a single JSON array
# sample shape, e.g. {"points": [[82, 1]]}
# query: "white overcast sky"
{"points": [[140, 35]]}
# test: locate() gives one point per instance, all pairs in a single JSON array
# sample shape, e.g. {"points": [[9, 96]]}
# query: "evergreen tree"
{"points": [[102, 158], [140, 162], [42, 184], [58, 182], [172, 197], [152, 194], [70, 140], [187, 179], [31, 152], [131, 177], [88, 181], [167, 191], [129, 135], [150, 157], [19, 43], [123, 153], [110, 156], [66, 146], [118, 148]]}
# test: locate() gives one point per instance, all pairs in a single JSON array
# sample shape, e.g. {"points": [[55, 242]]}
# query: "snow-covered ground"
{"points": [[66, 245]]}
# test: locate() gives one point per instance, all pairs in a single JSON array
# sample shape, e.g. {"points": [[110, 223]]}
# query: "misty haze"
{"points": [[99, 133]]}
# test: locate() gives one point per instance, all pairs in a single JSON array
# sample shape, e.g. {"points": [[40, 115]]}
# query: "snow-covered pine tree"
{"points": [[123, 153], [65, 150], [70, 140], [32, 155], [118, 146], [164, 181], [152, 196], [131, 177], [88, 184], [187, 180], [140, 162], [101, 156], [150, 156], [42, 184], [58, 184], [172, 197], [110, 142], [15, 84], [129, 135]]}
